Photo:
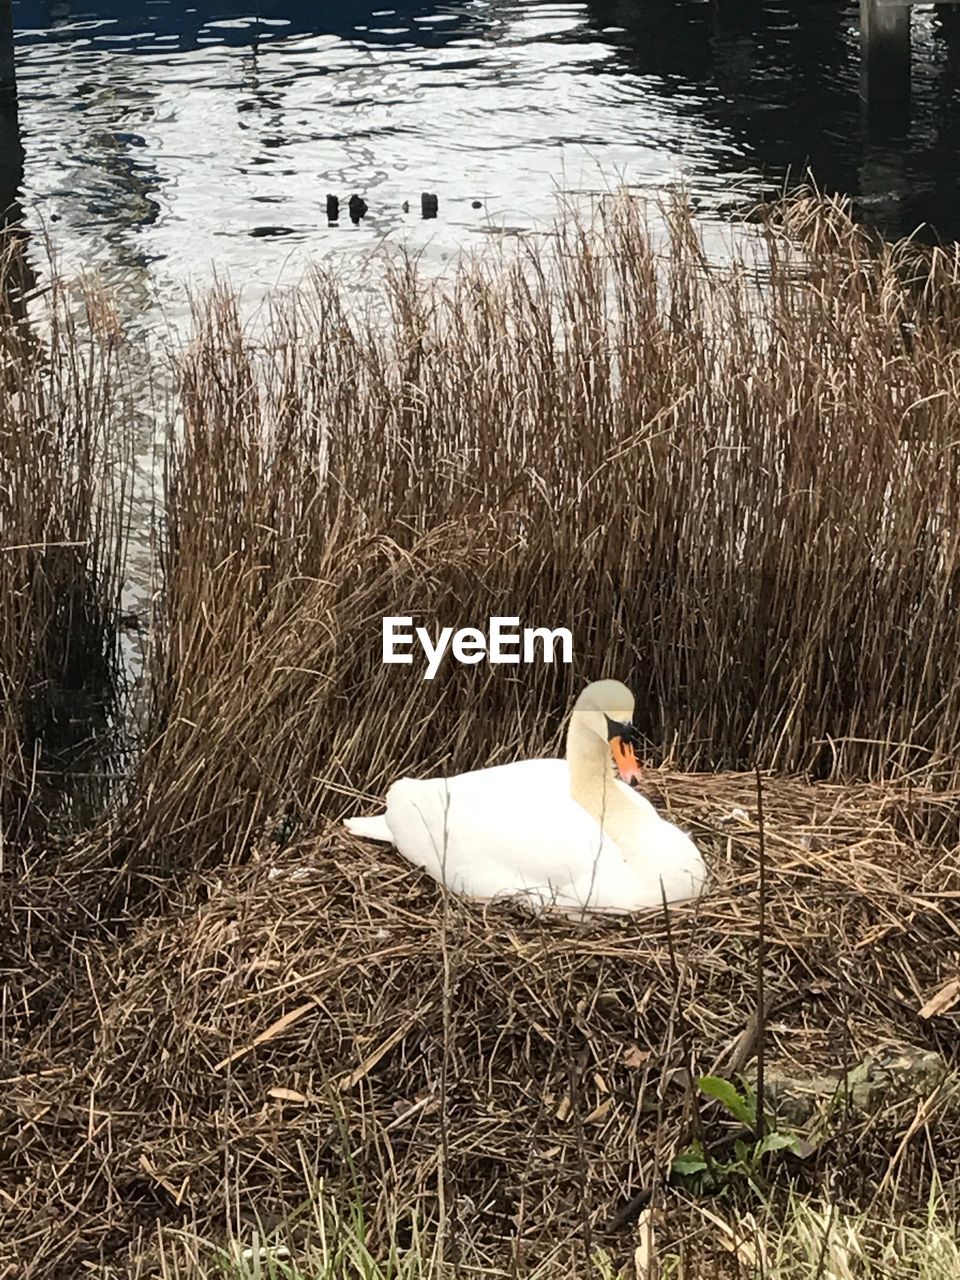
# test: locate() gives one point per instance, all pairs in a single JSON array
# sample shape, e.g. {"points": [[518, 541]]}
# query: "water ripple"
{"points": [[158, 136]]}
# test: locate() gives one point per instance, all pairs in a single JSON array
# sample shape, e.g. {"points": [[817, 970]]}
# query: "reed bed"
{"points": [[62, 508], [737, 485], [734, 484]]}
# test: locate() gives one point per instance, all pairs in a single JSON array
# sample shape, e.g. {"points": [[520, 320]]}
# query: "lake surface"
{"points": [[167, 143]]}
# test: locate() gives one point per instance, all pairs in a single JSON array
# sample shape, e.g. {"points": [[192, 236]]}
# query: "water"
{"points": [[166, 143]]}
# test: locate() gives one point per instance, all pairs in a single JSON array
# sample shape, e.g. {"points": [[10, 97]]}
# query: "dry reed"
{"points": [[62, 506], [508, 1081], [738, 489], [735, 486]]}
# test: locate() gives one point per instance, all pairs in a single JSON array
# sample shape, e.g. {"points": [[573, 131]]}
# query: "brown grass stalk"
{"points": [[734, 484], [738, 488], [62, 537]]}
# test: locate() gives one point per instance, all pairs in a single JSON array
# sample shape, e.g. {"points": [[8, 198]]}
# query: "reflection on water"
{"points": [[18, 279], [166, 140]]}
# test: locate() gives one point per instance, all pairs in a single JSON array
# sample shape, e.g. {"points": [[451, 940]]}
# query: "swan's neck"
{"points": [[593, 782]]}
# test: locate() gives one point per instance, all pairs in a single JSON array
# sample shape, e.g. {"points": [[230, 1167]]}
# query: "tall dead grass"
{"points": [[62, 503], [508, 1088], [736, 485], [739, 489]]}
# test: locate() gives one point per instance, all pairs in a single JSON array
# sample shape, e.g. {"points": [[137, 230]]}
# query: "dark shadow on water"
{"points": [[17, 275], [71, 730], [783, 81], [11, 147]]}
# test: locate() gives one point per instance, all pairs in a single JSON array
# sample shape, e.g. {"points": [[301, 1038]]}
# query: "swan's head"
{"points": [[606, 707]]}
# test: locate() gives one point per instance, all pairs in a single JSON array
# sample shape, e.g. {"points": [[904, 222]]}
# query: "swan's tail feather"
{"points": [[369, 828]]}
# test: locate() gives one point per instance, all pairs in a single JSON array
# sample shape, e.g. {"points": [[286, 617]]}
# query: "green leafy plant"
{"points": [[749, 1153]]}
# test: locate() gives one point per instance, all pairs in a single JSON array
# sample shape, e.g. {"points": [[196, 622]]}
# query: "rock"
{"points": [[887, 1075]]}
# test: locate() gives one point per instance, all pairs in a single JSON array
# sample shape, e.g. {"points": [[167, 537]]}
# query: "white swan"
{"points": [[567, 832]]}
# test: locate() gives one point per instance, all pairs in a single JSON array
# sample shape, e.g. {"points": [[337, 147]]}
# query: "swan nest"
{"points": [[325, 1012]]}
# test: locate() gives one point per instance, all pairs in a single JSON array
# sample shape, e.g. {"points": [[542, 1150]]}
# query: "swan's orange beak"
{"points": [[624, 753]]}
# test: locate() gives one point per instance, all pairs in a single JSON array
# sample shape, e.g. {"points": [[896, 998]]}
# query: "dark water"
{"points": [[164, 141]]}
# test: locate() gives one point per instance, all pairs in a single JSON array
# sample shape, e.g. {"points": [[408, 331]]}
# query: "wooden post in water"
{"points": [[885, 51]]}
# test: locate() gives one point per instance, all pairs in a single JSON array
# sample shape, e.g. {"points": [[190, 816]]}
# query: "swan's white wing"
{"points": [[673, 866], [527, 788], [676, 862], [516, 829], [510, 829]]}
